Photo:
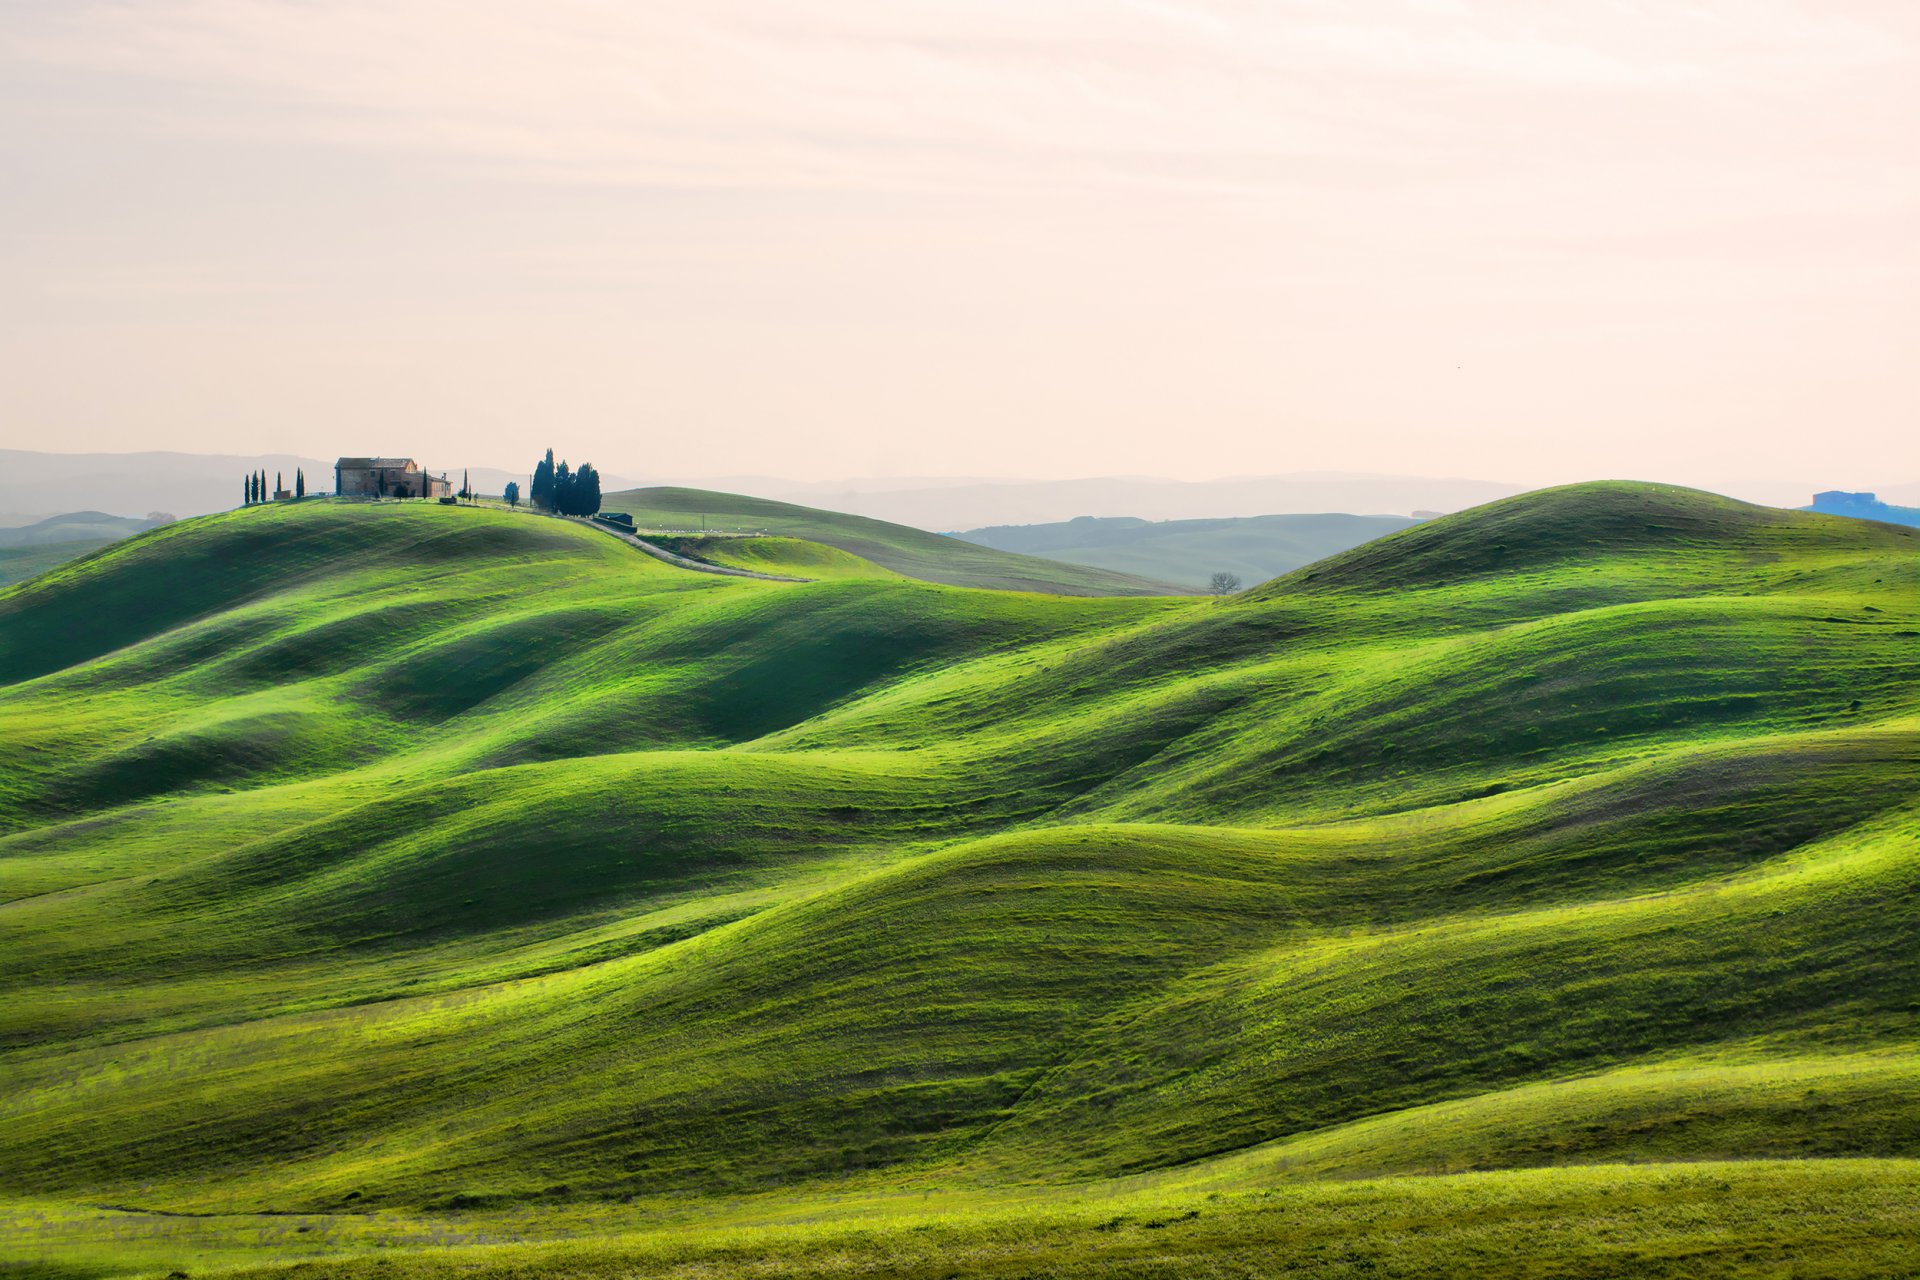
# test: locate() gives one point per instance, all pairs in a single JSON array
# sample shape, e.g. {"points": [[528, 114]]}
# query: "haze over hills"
{"points": [[975, 504], [1191, 551], [33, 485], [78, 526], [937, 503], [444, 891]]}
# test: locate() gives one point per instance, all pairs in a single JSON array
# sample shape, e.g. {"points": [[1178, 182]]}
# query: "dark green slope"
{"points": [[177, 573], [930, 557], [453, 857]]}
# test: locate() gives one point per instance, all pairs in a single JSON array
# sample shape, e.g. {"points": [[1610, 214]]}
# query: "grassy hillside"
{"points": [[1189, 552], [789, 557], [913, 553], [448, 891]]}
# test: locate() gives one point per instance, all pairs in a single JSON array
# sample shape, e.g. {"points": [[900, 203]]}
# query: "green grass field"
{"points": [[402, 890]]}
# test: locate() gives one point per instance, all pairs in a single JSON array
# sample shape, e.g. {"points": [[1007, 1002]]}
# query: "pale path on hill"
{"points": [[679, 561]]}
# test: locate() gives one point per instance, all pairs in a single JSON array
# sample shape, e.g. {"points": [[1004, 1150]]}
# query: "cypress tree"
{"points": [[279, 482], [299, 482], [586, 490], [247, 501], [540, 488]]}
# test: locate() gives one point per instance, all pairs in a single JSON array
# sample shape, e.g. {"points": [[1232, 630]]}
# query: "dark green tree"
{"points": [[540, 488], [511, 494], [248, 500], [299, 482], [586, 490]]}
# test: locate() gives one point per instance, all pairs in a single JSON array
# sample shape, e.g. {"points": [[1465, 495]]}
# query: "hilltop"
{"points": [[438, 890]]}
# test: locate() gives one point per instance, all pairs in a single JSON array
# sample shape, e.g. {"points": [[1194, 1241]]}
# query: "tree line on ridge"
{"points": [[257, 491], [558, 488]]}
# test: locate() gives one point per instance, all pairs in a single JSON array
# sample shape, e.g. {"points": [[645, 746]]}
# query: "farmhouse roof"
{"points": [[376, 464]]}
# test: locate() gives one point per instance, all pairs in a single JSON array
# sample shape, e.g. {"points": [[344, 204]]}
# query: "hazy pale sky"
{"points": [[1528, 240]]}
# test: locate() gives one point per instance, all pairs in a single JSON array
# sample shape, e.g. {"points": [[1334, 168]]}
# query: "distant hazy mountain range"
{"points": [[35, 484], [1189, 552], [969, 504]]}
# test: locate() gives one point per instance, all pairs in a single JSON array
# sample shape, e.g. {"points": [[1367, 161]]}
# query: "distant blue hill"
{"points": [[80, 526], [1862, 506]]}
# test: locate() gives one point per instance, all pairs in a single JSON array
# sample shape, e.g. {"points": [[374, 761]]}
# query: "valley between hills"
{"points": [[399, 890]]}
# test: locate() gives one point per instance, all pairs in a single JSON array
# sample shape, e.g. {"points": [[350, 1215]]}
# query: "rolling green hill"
{"points": [[1189, 552], [442, 891], [787, 557], [913, 553]]}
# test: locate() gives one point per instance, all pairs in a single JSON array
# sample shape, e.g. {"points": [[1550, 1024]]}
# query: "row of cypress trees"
{"points": [[257, 490], [559, 488]]}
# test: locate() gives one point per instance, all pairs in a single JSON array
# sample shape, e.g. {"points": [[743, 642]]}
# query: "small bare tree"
{"points": [[1224, 584]]}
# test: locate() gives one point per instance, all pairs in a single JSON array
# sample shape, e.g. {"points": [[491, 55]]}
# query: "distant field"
{"points": [[75, 526], [1189, 552], [17, 564], [913, 553], [31, 549], [405, 890]]}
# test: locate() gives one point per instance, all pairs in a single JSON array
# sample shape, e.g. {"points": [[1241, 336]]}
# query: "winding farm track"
{"points": [[678, 561]]}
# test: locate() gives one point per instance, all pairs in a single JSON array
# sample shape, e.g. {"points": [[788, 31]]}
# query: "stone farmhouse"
{"points": [[387, 478]]}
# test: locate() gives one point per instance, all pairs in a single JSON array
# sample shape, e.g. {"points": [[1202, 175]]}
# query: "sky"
{"points": [[1535, 241]]}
